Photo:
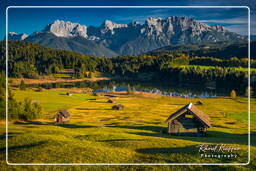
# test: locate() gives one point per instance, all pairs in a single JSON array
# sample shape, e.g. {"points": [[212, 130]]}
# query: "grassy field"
{"points": [[212, 67], [98, 134]]}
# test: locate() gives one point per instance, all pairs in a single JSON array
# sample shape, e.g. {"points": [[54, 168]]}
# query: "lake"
{"points": [[164, 88]]}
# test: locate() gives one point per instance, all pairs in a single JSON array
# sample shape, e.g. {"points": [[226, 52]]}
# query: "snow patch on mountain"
{"points": [[16, 36]]}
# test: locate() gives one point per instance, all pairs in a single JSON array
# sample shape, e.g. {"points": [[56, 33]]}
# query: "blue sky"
{"points": [[29, 20]]}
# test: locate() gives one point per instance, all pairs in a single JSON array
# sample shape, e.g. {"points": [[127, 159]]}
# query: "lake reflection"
{"points": [[167, 89]]}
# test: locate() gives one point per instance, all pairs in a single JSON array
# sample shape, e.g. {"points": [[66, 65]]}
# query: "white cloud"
{"points": [[239, 20], [239, 28]]}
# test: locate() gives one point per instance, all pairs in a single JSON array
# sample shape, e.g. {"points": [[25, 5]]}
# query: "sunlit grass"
{"points": [[96, 133]]}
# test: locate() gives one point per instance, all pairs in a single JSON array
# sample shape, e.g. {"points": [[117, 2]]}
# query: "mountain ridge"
{"points": [[112, 39]]}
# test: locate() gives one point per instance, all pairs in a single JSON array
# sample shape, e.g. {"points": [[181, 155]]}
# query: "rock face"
{"points": [[66, 29], [133, 38], [15, 36]]}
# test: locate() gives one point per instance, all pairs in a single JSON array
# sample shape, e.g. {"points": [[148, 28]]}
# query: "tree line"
{"points": [[32, 60]]}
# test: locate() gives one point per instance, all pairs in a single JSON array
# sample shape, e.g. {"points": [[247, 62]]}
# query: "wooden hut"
{"points": [[62, 116], [188, 120], [69, 94], [199, 102], [111, 101], [118, 107]]}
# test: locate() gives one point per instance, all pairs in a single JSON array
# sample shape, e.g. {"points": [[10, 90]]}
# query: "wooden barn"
{"points": [[62, 116], [188, 120], [111, 101], [118, 107]]}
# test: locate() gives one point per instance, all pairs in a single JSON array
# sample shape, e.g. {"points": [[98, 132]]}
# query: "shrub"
{"points": [[14, 108], [2, 103], [32, 110]]}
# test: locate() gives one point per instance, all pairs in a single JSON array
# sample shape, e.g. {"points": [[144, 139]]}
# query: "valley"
{"points": [[104, 94]]}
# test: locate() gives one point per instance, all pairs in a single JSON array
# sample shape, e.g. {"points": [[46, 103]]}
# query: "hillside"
{"points": [[222, 50], [75, 44]]}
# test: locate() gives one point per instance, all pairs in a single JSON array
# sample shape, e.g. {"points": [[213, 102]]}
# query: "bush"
{"points": [[32, 110], [14, 108], [2, 103], [233, 94], [27, 110]]}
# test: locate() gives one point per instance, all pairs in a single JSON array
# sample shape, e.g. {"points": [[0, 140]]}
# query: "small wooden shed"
{"points": [[62, 116], [111, 101], [188, 120], [199, 102], [118, 107]]}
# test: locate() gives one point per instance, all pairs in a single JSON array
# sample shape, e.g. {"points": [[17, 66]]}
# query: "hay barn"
{"points": [[188, 120], [62, 116]]}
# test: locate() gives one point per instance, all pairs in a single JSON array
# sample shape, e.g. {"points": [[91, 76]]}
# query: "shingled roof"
{"points": [[193, 110], [64, 113]]}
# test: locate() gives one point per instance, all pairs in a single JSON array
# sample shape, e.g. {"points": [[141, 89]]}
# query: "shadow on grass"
{"points": [[192, 151], [23, 146], [219, 126], [30, 123], [53, 124], [91, 109], [97, 101], [121, 140], [10, 135], [92, 99], [73, 126], [240, 101], [148, 128], [181, 150], [212, 136]]}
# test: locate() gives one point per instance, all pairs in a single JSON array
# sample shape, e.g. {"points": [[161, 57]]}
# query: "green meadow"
{"points": [[98, 134]]}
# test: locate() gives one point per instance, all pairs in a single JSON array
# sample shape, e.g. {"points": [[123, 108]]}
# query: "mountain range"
{"points": [[112, 39]]}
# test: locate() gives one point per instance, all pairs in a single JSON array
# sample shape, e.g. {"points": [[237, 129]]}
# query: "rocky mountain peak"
{"points": [[62, 28], [219, 28], [130, 39], [16, 36], [109, 26], [134, 23]]}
